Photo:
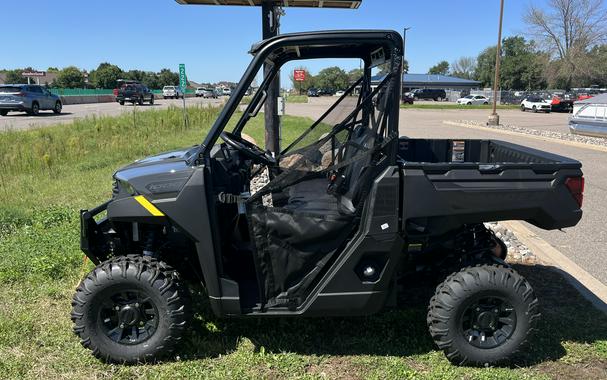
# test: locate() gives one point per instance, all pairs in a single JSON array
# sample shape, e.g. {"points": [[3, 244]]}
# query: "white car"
{"points": [[473, 100], [226, 92], [536, 104], [173, 92], [340, 93]]}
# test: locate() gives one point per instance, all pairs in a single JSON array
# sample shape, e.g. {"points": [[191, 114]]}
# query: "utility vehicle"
{"points": [[332, 225]]}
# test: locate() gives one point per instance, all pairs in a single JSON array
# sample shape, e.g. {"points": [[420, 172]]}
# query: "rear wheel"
{"points": [[534, 109], [486, 103], [3, 112], [140, 101], [57, 108], [152, 100], [482, 315], [130, 309], [523, 109], [121, 102]]}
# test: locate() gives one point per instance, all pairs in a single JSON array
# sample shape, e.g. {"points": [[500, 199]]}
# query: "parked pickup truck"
{"points": [[337, 223], [133, 92]]}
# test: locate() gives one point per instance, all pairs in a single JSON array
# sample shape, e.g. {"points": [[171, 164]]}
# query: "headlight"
{"points": [[126, 187]]}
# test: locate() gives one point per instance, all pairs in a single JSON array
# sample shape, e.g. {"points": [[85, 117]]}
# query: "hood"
{"points": [[164, 173]]}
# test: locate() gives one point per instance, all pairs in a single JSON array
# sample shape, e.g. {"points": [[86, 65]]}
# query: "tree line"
{"points": [[567, 48], [334, 78], [105, 76]]}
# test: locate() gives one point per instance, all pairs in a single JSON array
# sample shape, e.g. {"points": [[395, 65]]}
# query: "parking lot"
{"points": [[21, 120]]}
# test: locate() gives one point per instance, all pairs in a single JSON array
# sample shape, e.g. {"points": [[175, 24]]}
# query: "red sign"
{"points": [[299, 75]]}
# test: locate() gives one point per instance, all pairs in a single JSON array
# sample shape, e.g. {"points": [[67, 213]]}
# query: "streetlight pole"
{"points": [[494, 118], [405, 43]]}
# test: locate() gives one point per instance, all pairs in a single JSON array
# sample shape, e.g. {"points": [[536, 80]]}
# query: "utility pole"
{"points": [[494, 118], [270, 12]]}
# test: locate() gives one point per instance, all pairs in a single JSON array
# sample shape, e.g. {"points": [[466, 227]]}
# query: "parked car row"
{"points": [[28, 98]]}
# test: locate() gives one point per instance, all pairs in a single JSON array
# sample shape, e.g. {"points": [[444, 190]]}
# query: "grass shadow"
{"points": [[566, 316]]}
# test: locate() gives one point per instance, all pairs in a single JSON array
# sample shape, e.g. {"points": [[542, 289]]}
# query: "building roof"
{"points": [[420, 80], [599, 99]]}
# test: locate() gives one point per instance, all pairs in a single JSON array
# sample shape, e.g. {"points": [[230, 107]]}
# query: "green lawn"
{"points": [[451, 106], [49, 174], [297, 99]]}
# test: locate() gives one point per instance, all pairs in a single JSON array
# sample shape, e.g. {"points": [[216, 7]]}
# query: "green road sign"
{"points": [[183, 83]]}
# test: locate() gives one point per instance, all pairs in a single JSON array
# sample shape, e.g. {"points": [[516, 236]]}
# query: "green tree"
{"points": [[151, 80], [167, 77], [521, 67], [485, 66], [70, 77], [52, 69], [137, 75], [306, 84], [106, 75], [14, 76], [333, 78], [384, 68], [355, 74], [441, 68]]}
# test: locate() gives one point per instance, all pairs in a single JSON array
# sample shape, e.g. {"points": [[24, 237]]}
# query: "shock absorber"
{"points": [[148, 242]]}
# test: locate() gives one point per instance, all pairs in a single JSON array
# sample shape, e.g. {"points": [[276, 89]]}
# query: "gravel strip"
{"points": [[551, 134], [518, 253]]}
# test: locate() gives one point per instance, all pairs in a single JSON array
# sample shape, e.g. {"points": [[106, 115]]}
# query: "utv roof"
{"points": [[353, 4], [330, 37]]}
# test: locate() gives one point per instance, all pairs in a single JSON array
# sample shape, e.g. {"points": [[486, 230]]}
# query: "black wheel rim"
{"points": [[128, 317], [488, 322]]}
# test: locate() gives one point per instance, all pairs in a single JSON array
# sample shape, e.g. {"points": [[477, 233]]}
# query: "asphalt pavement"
{"points": [[21, 120]]}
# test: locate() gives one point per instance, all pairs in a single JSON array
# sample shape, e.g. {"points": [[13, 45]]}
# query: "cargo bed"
{"points": [[448, 183]]}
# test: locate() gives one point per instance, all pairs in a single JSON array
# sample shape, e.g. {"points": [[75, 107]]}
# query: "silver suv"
{"points": [[27, 98]]}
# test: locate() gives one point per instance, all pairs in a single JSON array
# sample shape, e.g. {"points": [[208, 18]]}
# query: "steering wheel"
{"points": [[250, 150]]}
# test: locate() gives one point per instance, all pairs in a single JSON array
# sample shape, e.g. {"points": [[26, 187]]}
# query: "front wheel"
{"points": [[130, 309], [3, 112], [523, 109], [482, 315], [152, 101]]}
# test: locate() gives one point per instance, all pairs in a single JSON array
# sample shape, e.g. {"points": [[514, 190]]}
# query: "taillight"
{"points": [[556, 101], [21, 94], [576, 188]]}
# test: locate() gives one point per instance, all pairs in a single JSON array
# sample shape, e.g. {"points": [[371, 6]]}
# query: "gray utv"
{"points": [[330, 226]]}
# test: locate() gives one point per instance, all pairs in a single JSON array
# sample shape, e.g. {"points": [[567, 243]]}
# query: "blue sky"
{"points": [[213, 41]]}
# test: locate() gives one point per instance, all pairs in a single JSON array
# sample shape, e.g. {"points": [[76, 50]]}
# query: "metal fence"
{"points": [[81, 91], [97, 91]]}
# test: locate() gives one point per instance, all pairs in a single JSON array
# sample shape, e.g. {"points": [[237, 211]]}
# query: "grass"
{"points": [[297, 99], [451, 106], [48, 174]]}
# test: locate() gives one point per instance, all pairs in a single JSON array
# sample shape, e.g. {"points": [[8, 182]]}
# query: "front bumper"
{"points": [[92, 237]]}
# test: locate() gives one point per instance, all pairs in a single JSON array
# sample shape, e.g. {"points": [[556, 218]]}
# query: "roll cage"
{"points": [[373, 47]]}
